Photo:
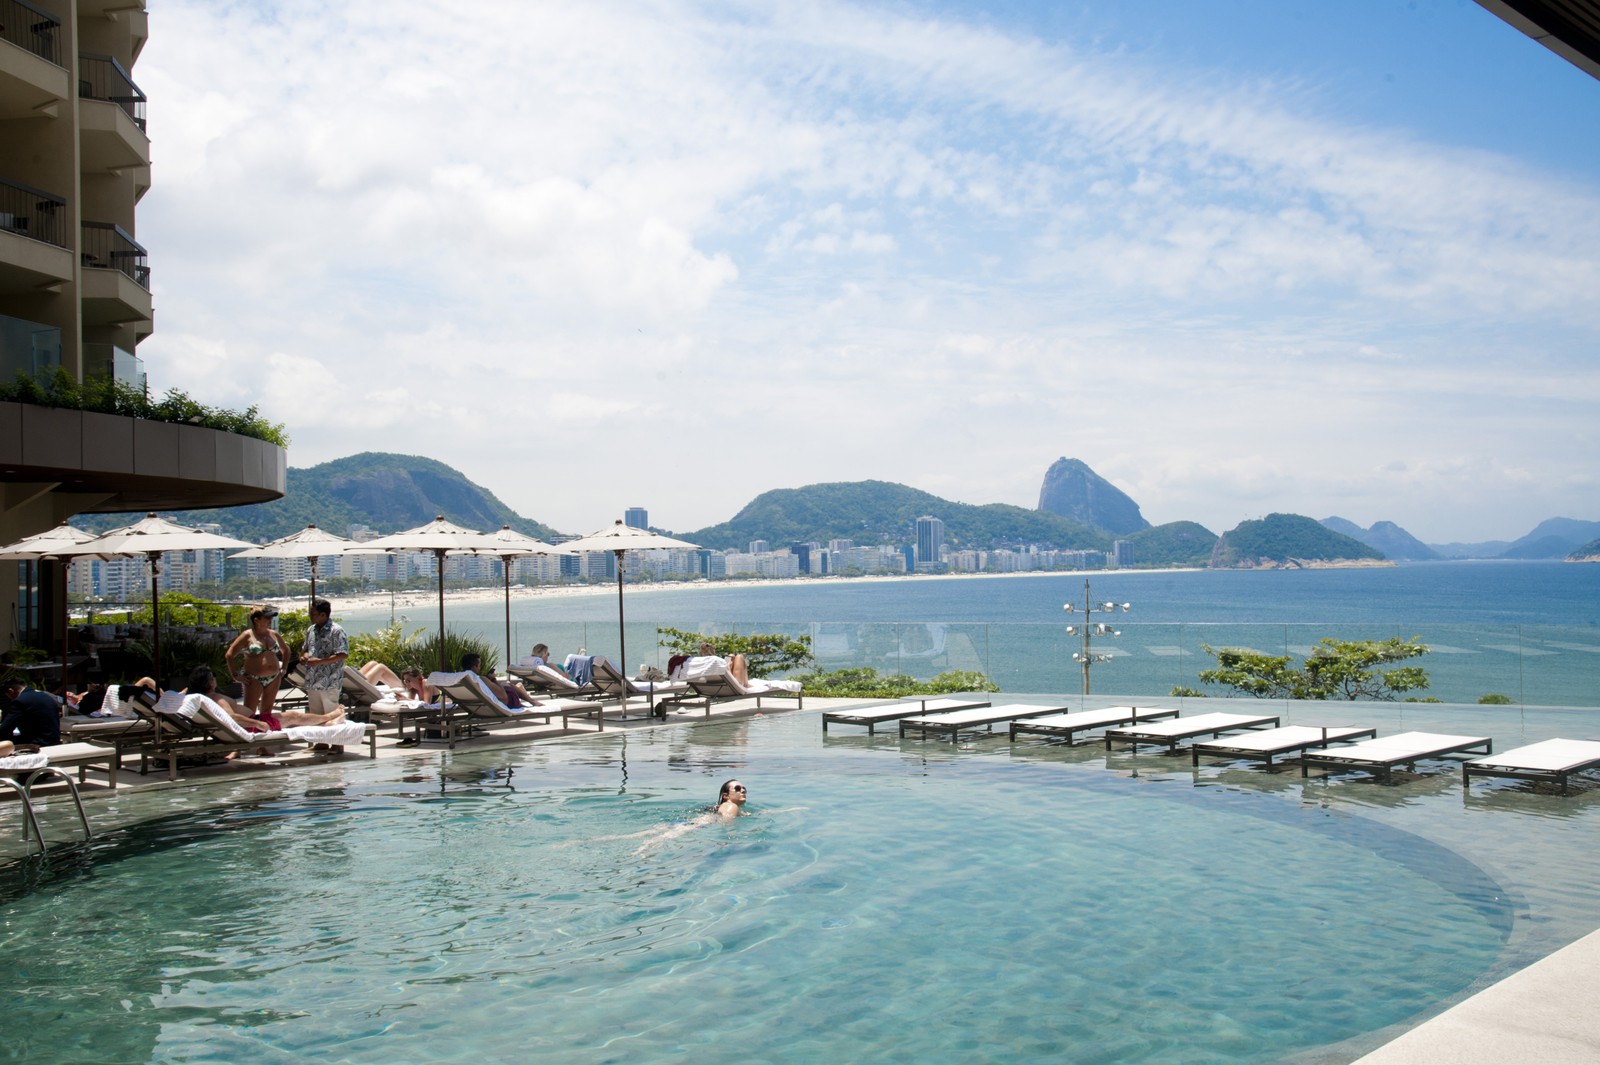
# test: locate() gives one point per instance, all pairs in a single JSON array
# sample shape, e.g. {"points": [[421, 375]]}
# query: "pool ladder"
{"points": [[30, 819]]}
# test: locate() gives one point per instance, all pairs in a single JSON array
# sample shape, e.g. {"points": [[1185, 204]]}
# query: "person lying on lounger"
{"points": [[204, 682], [410, 681], [510, 690], [706, 662], [540, 656]]}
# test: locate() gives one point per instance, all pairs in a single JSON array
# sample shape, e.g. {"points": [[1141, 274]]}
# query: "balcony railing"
{"points": [[27, 27], [30, 212], [28, 348], [108, 247], [122, 366], [101, 77]]}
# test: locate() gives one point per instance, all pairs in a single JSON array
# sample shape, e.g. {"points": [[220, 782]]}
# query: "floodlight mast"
{"points": [[1087, 630]]}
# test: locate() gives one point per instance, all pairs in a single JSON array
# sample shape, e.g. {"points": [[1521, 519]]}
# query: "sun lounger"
{"points": [[1171, 733], [1548, 760], [1268, 744], [985, 717], [721, 687], [357, 691], [476, 706], [198, 727], [538, 679], [610, 682], [119, 725], [1066, 726], [915, 706], [1386, 752]]}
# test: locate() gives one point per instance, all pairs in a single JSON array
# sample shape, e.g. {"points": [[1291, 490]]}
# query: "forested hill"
{"points": [[1280, 539], [878, 512], [385, 491]]}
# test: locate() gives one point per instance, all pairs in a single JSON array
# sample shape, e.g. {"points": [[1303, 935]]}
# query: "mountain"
{"points": [[1177, 543], [1553, 538], [1589, 552], [1482, 549], [878, 512], [1286, 540], [1074, 491], [1387, 537], [384, 491]]}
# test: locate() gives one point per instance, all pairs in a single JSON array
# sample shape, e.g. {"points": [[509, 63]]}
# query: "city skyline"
{"points": [[1270, 258]]}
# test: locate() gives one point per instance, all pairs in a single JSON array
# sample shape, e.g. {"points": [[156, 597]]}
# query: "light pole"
{"points": [[1088, 629]]}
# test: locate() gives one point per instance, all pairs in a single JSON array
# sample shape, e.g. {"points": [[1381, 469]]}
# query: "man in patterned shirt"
{"points": [[322, 659]]}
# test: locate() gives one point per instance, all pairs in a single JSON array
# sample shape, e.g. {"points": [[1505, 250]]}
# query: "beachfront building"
{"points": [[75, 296], [930, 542], [636, 518]]}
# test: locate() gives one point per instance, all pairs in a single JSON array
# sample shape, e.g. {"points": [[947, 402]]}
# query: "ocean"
{"points": [[1526, 630]]}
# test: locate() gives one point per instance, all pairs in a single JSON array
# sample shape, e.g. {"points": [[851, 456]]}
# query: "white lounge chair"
{"points": [[985, 717], [480, 707], [1268, 744], [547, 678], [198, 727], [1171, 733], [610, 682], [912, 706], [718, 686], [1386, 752], [1552, 761], [1066, 726]]}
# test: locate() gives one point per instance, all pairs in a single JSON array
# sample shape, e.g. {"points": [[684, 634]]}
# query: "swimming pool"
{"points": [[888, 901]]}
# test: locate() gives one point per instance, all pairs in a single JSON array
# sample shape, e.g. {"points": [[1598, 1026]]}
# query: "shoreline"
{"points": [[418, 597]]}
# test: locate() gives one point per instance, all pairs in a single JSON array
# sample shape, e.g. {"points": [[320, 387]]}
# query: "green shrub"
{"points": [[106, 395], [394, 648], [764, 653], [1495, 699], [868, 683], [456, 645]]}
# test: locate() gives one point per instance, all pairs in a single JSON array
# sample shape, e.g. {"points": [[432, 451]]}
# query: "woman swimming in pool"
{"points": [[731, 800]]}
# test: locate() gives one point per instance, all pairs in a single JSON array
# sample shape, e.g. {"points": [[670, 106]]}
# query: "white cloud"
{"points": [[840, 242]]}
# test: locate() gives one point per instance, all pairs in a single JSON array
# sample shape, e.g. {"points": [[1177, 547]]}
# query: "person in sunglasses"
{"points": [[730, 801]]}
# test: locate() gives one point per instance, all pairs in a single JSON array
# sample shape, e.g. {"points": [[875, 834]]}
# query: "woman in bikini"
{"points": [[265, 656]]}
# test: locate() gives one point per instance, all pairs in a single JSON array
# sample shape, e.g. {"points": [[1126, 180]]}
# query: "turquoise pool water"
{"points": [[888, 901]]}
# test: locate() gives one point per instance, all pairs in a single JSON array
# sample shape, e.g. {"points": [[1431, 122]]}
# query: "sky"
{"points": [[1268, 255]]}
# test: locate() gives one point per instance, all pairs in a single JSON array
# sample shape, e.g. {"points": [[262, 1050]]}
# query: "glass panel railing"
{"points": [[28, 348], [117, 363]]}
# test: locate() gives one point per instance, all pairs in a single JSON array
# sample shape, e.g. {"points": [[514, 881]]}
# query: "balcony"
{"points": [[116, 277], [32, 79], [33, 239], [28, 348], [111, 113], [111, 361]]}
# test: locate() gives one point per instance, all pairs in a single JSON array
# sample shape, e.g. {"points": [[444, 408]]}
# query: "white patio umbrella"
{"points": [[620, 539], [512, 544], [44, 546], [441, 538], [309, 543], [151, 537]]}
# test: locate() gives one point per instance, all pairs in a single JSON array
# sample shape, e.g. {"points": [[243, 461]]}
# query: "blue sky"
{"points": [[1239, 258]]}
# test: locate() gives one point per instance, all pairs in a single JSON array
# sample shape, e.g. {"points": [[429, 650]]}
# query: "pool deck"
{"points": [[1541, 1013]]}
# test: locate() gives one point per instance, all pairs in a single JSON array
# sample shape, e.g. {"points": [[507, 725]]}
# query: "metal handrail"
{"points": [[109, 246], [29, 27], [30, 212], [30, 820], [101, 77]]}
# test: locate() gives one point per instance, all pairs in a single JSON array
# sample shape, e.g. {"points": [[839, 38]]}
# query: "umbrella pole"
{"points": [[622, 637], [313, 581], [155, 615], [505, 567], [443, 667], [62, 565]]}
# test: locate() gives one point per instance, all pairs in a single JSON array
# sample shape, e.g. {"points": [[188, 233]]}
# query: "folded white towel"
{"points": [[24, 761]]}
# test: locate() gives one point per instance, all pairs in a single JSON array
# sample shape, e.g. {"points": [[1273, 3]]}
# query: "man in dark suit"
{"points": [[31, 716]]}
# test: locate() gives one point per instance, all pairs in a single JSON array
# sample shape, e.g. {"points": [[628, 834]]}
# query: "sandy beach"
{"points": [[420, 598]]}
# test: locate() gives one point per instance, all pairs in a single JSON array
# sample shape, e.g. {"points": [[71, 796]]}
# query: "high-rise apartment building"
{"points": [[930, 541], [636, 518], [75, 295]]}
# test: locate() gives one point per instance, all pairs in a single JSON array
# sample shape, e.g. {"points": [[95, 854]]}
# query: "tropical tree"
{"points": [[765, 653], [1335, 669]]}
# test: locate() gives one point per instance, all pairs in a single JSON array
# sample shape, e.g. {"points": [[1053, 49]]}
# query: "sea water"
{"points": [[1527, 630], [888, 900]]}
